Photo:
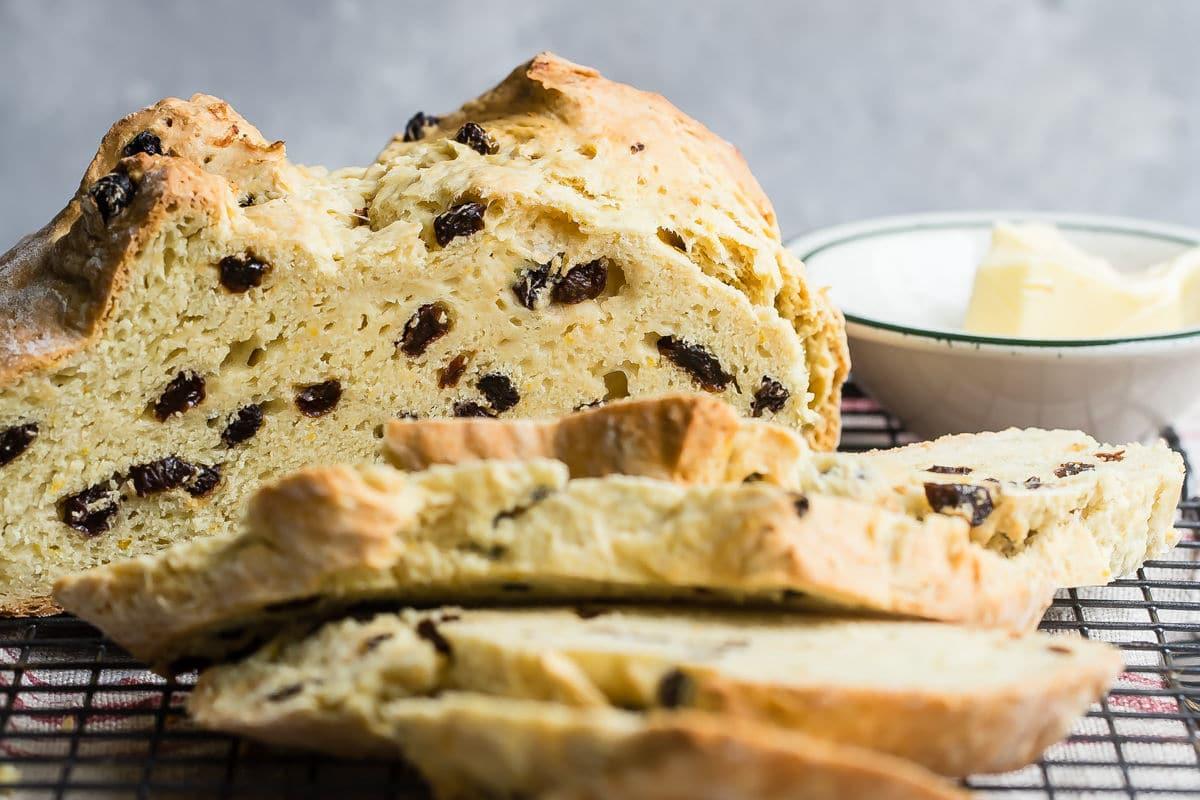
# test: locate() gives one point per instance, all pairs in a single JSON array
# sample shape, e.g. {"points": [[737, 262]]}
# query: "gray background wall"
{"points": [[844, 108]]}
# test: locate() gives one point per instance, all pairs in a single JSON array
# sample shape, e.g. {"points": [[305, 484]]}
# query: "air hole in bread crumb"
{"points": [[616, 385], [378, 431]]}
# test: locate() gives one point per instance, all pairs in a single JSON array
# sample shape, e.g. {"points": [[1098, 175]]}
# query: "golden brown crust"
{"points": [[951, 734], [58, 286], [684, 438], [692, 756]]}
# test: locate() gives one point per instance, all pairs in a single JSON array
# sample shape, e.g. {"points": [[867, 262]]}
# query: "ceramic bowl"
{"points": [[904, 283]]}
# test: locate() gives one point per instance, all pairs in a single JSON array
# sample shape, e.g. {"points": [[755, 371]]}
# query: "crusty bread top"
{"points": [[688, 438], [59, 285]]}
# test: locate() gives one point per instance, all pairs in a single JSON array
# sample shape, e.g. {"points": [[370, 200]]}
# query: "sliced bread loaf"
{"points": [[470, 745], [1088, 511], [957, 700], [205, 314], [325, 538]]}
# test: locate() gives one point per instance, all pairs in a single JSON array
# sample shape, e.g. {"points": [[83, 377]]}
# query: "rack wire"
{"points": [[80, 718]]}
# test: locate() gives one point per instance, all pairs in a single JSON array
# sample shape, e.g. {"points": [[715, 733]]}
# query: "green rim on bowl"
{"points": [[820, 241]]}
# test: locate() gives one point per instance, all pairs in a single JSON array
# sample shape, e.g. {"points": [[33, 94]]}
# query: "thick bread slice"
{"points": [[1088, 511], [1019, 486], [325, 538], [469, 745], [956, 700], [204, 314]]}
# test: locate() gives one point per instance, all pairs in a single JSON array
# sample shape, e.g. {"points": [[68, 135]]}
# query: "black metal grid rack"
{"points": [[79, 718]]}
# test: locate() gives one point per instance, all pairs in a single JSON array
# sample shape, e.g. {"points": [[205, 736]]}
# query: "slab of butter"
{"points": [[1034, 284]]}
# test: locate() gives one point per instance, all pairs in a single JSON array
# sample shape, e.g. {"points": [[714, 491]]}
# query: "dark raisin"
{"points": [[674, 689], [590, 612], [974, 499], [244, 423], [373, 642], [429, 323], [801, 504], [531, 285], [469, 408], [414, 129], [145, 142], [1033, 482], [581, 282], [672, 238], [463, 219], [770, 396], [499, 391], [160, 476], [514, 586], [475, 137], [184, 392], [16, 440], [112, 194], [1072, 468], [538, 495], [317, 399], [279, 695], [242, 273], [207, 478], [246, 201], [91, 511], [449, 375], [697, 361], [428, 631], [949, 470], [1116, 455], [637, 147]]}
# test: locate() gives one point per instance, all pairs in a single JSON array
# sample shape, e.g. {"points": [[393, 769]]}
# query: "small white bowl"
{"points": [[903, 284]]}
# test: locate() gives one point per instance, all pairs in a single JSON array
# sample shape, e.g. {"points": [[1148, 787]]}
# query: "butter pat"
{"points": [[1034, 284]]}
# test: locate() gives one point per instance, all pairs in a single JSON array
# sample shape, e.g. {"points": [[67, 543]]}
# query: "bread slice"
{"points": [[1090, 511], [957, 700], [470, 745], [325, 538], [204, 314], [1017, 487]]}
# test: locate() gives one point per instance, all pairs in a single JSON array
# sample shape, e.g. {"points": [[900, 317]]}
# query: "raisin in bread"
{"points": [[1092, 510], [204, 314], [325, 538], [470, 745], [1016, 695]]}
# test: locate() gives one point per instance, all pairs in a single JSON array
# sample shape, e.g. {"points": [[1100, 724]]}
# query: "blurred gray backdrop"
{"points": [[844, 108]]}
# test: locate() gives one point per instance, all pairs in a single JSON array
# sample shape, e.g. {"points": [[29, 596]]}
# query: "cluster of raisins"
{"points": [[91, 511], [579, 283]]}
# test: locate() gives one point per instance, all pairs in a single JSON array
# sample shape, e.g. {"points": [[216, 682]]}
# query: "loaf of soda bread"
{"points": [[204, 314]]}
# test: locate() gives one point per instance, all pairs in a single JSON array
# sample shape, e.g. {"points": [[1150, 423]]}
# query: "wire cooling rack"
{"points": [[79, 718]]}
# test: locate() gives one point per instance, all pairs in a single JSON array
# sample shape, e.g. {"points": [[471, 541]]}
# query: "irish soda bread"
{"points": [[1090, 511], [955, 699], [324, 538], [470, 745], [204, 314]]}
